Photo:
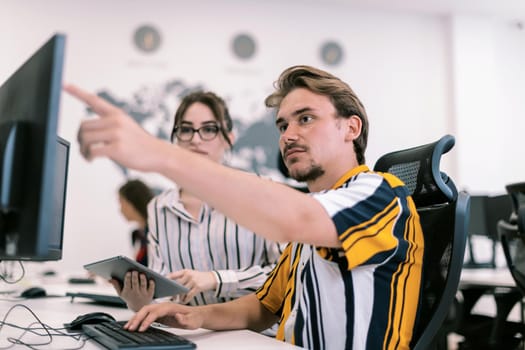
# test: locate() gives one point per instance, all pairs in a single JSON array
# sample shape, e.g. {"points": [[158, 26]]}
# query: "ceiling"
{"points": [[505, 9]]}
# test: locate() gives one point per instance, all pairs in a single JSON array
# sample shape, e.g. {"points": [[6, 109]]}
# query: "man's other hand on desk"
{"points": [[243, 313], [170, 314]]}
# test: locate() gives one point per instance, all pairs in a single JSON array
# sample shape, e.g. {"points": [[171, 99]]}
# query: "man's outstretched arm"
{"points": [[273, 210]]}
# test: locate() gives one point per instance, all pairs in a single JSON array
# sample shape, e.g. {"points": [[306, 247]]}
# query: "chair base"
{"points": [[478, 333]]}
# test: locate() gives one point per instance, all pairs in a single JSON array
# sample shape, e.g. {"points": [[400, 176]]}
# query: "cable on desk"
{"points": [[6, 274], [49, 332]]}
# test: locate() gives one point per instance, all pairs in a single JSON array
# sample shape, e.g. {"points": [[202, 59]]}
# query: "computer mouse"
{"points": [[33, 292], [89, 318]]}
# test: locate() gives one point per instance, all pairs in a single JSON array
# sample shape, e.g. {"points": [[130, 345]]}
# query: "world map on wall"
{"points": [[153, 107]]}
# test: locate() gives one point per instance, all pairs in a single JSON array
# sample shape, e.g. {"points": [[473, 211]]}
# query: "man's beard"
{"points": [[314, 172]]}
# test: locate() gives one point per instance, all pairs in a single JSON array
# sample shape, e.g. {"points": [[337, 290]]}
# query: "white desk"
{"points": [[482, 286], [55, 311], [499, 277], [491, 292]]}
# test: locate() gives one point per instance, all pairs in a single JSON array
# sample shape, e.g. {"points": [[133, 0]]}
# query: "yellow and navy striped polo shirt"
{"points": [[365, 294]]}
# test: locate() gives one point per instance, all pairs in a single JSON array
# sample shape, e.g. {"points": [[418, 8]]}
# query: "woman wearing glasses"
{"points": [[191, 242]]}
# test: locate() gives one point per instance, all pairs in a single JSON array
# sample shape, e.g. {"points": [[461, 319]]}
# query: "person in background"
{"points": [[189, 240], [134, 196], [351, 276]]}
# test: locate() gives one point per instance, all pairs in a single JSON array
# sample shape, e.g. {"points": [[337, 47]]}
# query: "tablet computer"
{"points": [[117, 266]]}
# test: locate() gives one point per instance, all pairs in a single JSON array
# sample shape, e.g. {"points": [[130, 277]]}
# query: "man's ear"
{"points": [[353, 127]]}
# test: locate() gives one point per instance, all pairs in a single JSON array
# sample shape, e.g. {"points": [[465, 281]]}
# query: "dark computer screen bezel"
{"points": [[55, 237], [30, 98]]}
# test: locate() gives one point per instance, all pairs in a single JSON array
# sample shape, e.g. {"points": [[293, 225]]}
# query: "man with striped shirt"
{"points": [[351, 279]]}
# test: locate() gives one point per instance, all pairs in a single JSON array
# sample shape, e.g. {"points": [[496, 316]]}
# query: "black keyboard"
{"points": [[113, 336], [103, 299]]}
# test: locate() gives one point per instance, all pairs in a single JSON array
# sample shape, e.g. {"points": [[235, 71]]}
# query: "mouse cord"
{"points": [[6, 271], [49, 332]]}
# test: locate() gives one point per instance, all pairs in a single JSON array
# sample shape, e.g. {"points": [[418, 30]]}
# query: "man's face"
{"points": [[310, 134]]}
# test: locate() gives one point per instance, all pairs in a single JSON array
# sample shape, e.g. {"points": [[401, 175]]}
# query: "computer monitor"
{"points": [[29, 103], [485, 212], [497, 208], [477, 219], [55, 236]]}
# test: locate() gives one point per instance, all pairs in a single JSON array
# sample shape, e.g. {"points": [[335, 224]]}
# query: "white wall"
{"points": [[414, 74], [489, 111]]}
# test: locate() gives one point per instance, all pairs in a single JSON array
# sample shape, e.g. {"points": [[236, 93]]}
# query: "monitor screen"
{"points": [[56, 233], [477, 219], [29, 102], [486, 211], [497, 208]]}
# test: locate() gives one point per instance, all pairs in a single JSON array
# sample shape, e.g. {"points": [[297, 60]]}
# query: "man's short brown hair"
{"points": [[320, 82]]}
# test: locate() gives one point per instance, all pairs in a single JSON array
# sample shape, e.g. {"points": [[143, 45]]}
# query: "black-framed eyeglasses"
{"points": [[185, 133]]}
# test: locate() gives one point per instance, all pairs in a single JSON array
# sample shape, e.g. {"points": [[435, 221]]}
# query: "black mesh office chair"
{"points": [[444, 215], [479, 330], [512, 236]]}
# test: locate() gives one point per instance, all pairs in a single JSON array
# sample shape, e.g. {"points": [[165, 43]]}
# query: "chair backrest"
{"points": [[512, 235], [517, 194], [444, 219]]}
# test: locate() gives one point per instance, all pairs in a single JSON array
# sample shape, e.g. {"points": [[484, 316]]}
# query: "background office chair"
{"points": [[481, 331], [443, 212], [512, 235]]}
